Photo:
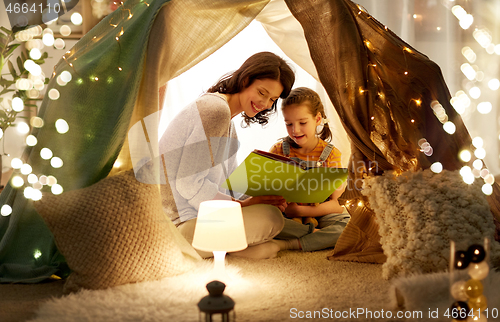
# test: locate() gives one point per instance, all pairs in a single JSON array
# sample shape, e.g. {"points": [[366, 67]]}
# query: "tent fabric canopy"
{"points": [[143, 44], [116, 71]]}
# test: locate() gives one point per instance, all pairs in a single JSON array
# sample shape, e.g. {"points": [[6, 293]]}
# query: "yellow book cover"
{"points": [[264, 173]]}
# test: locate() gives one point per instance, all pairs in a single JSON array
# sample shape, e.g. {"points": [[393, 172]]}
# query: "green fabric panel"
{"points": [[98, 113]]}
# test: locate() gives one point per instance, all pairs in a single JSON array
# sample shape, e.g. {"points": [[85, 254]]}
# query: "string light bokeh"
{"points": [[36, 40]]}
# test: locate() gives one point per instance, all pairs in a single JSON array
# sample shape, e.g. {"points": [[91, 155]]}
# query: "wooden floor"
{"points": [[18, 302]]}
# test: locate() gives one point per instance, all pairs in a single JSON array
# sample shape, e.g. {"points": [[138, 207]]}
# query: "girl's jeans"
{"points": [[330, 227]]}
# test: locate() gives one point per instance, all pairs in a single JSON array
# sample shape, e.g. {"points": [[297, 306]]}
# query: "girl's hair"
{"points": [[259, 66], [308, 97]]}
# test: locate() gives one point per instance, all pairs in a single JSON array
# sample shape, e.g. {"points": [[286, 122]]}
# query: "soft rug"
{"points": [[294, 286], [286, 288]]}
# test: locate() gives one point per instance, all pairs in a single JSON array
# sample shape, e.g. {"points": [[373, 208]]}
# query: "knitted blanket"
{"points": [[419, 213]]}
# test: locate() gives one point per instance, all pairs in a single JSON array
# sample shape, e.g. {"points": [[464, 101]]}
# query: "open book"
{"points": [[264, 173]]}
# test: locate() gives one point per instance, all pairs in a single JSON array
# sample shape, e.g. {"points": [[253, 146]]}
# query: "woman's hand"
{"points": [[277, 201]]}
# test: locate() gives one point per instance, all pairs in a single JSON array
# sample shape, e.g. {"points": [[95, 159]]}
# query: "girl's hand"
{"points": [[293, 210], [277, 201]]}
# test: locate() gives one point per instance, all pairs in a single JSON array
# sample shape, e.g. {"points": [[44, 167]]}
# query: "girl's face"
{"points": [[259, 96], [301, 124]]}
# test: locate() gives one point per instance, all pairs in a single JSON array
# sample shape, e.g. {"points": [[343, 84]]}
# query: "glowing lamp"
{"points": [[219, 229]]}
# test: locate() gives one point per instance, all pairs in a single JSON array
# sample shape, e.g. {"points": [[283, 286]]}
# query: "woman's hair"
{"points": [[259, 66], [308, 97]]}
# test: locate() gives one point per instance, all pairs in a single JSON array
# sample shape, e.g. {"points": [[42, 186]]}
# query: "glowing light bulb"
{"points": [[56, 162], [56, 189], [480, 153], [46, 153], [31, 140], [465, 155], [26, 169], [468, 71], [436, 167], [490, 179], [477, 164], [62, 126], [17, 104], [16, 163], [32, 178], [48, 40], [76, 18], [484, 172], [468, 178], [17, 181], [466, 22], [478, 142], [458, 11], [465, 170], [60, 81], [36, 122], [22, 128], [51, 180], [487, 189], [43, 180], [54, 94], [36, 195], [65, 30], [449, 127], [38, 84], [6, 210], [66, 76], [35, 53], [37, 254], [484, 107], [494, 84], [59, 43], [475, 92], [28, 192], [469, 54]]}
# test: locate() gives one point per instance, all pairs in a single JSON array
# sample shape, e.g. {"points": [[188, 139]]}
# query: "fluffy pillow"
{"points": [[115, 232], [420, 212]]}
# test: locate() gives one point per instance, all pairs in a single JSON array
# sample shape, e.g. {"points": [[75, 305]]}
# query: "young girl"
{"points": [[307, 140]]}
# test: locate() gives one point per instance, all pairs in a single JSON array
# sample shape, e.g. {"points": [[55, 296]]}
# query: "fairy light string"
{"points": [[25, 178]]}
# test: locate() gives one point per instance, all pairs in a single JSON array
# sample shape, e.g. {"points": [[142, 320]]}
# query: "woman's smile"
{"points": [[255, 108]]}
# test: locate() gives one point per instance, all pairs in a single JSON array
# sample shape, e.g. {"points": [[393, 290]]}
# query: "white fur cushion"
{"points": [[420, 212]]}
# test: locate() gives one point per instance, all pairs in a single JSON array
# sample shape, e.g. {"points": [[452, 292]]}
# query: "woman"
{"points": [[201, 145]]}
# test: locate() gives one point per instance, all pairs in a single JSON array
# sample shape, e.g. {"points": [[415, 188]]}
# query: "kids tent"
{"points": [[382, 89]]}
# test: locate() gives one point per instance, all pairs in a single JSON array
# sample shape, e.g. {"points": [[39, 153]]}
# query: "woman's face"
{"points": [[260, 95], [301, 124]]}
